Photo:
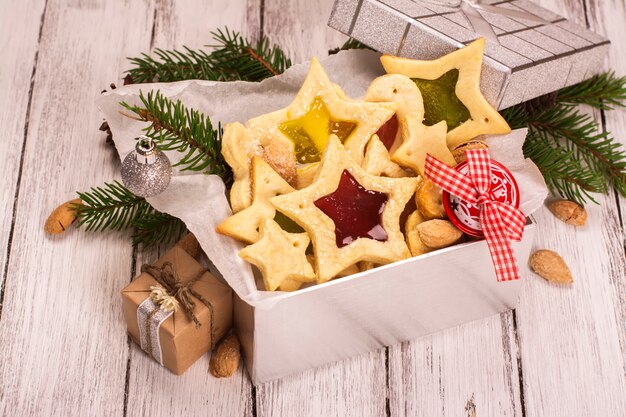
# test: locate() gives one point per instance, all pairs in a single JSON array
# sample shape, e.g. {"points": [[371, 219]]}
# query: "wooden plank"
{"points": [[572, 361], [300, 28], [569, 337], [467, 370], [356, 386], [190, 23], [608, 19], [22, 22], [64, 348], [153, 390], [353, 387]]}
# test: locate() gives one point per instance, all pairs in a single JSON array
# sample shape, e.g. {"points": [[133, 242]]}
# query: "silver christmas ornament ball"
{"points": [[146, 171]]}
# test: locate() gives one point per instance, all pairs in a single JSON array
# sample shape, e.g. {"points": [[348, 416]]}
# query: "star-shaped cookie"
{"points": [[416, 140], [335, 250], [266, 183], [378, 162], [238, 149], [320, 109], [457, 72], [280, 256]]}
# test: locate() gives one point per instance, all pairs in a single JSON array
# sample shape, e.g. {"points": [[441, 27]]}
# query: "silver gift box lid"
{"points": [[532, 59]]}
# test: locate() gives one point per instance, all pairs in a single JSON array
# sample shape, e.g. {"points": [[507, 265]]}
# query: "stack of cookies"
{"points": [[331, 186]]}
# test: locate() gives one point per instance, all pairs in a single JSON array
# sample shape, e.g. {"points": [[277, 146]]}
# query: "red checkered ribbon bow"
{"points": [[500, 222]]}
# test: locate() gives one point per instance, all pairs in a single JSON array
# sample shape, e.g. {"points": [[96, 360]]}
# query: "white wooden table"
{"points": [[63, 346]]}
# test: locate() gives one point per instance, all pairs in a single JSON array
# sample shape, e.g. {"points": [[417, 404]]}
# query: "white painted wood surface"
{"points": [[15, 87], [570, 339], [562, 352], [63, 344]]}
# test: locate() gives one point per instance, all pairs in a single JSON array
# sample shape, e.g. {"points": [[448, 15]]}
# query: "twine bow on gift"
{"points": [[472, 8], [182, 293], [500, 222]]}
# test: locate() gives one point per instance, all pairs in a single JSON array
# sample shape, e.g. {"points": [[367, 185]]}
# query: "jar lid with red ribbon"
{"points": [[465, 215]]}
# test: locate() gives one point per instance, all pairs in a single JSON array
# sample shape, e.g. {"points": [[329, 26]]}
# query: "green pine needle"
{"points": [[589, 144], [240, 59], [157, 228], [605, 92], [173, 65], [564, 174], [111, 207], [114, 207], [176, 127], [573, 153], [233, 58]]}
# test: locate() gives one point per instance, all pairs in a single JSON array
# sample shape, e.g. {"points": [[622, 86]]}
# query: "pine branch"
{"points": [[240, 59], [156, 228], [605, 91], [233, 58], [517, 117], [111, 207], [176, 127], [563, 173], [572, 152], [114, 207], [588, 143], [173, 65]]}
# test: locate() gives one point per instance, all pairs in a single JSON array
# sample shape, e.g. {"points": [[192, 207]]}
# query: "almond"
{"points": [[429, 200], [437, 234], [61, 217], [459, 152], [569, 212], [225, 358], [413, 240], [550, 266]]}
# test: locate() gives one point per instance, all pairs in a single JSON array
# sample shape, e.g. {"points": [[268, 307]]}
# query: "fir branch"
{"points": [[563, 172], [176, 127], [605, 92], [587, 141], [111, 207], [157, 228], [173, 65], [240, 59], [114, 207], [517, 117], [575, 156], [233, 58]]}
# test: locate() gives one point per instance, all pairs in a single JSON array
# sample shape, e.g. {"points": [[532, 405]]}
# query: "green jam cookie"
{"points": [[441, 102]]}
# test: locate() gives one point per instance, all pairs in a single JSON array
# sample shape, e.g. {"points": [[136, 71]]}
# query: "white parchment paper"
{"points": [[200, 200]]}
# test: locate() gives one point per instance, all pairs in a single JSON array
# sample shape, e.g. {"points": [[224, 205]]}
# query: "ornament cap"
{"points": [[146, 150]]}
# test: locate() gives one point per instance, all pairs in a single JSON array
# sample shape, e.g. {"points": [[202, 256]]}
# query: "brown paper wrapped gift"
{"points": [[180, 341]]}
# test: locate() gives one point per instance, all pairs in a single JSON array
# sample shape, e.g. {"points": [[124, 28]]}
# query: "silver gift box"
{"points": [[532, 59], [380, 307]]}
